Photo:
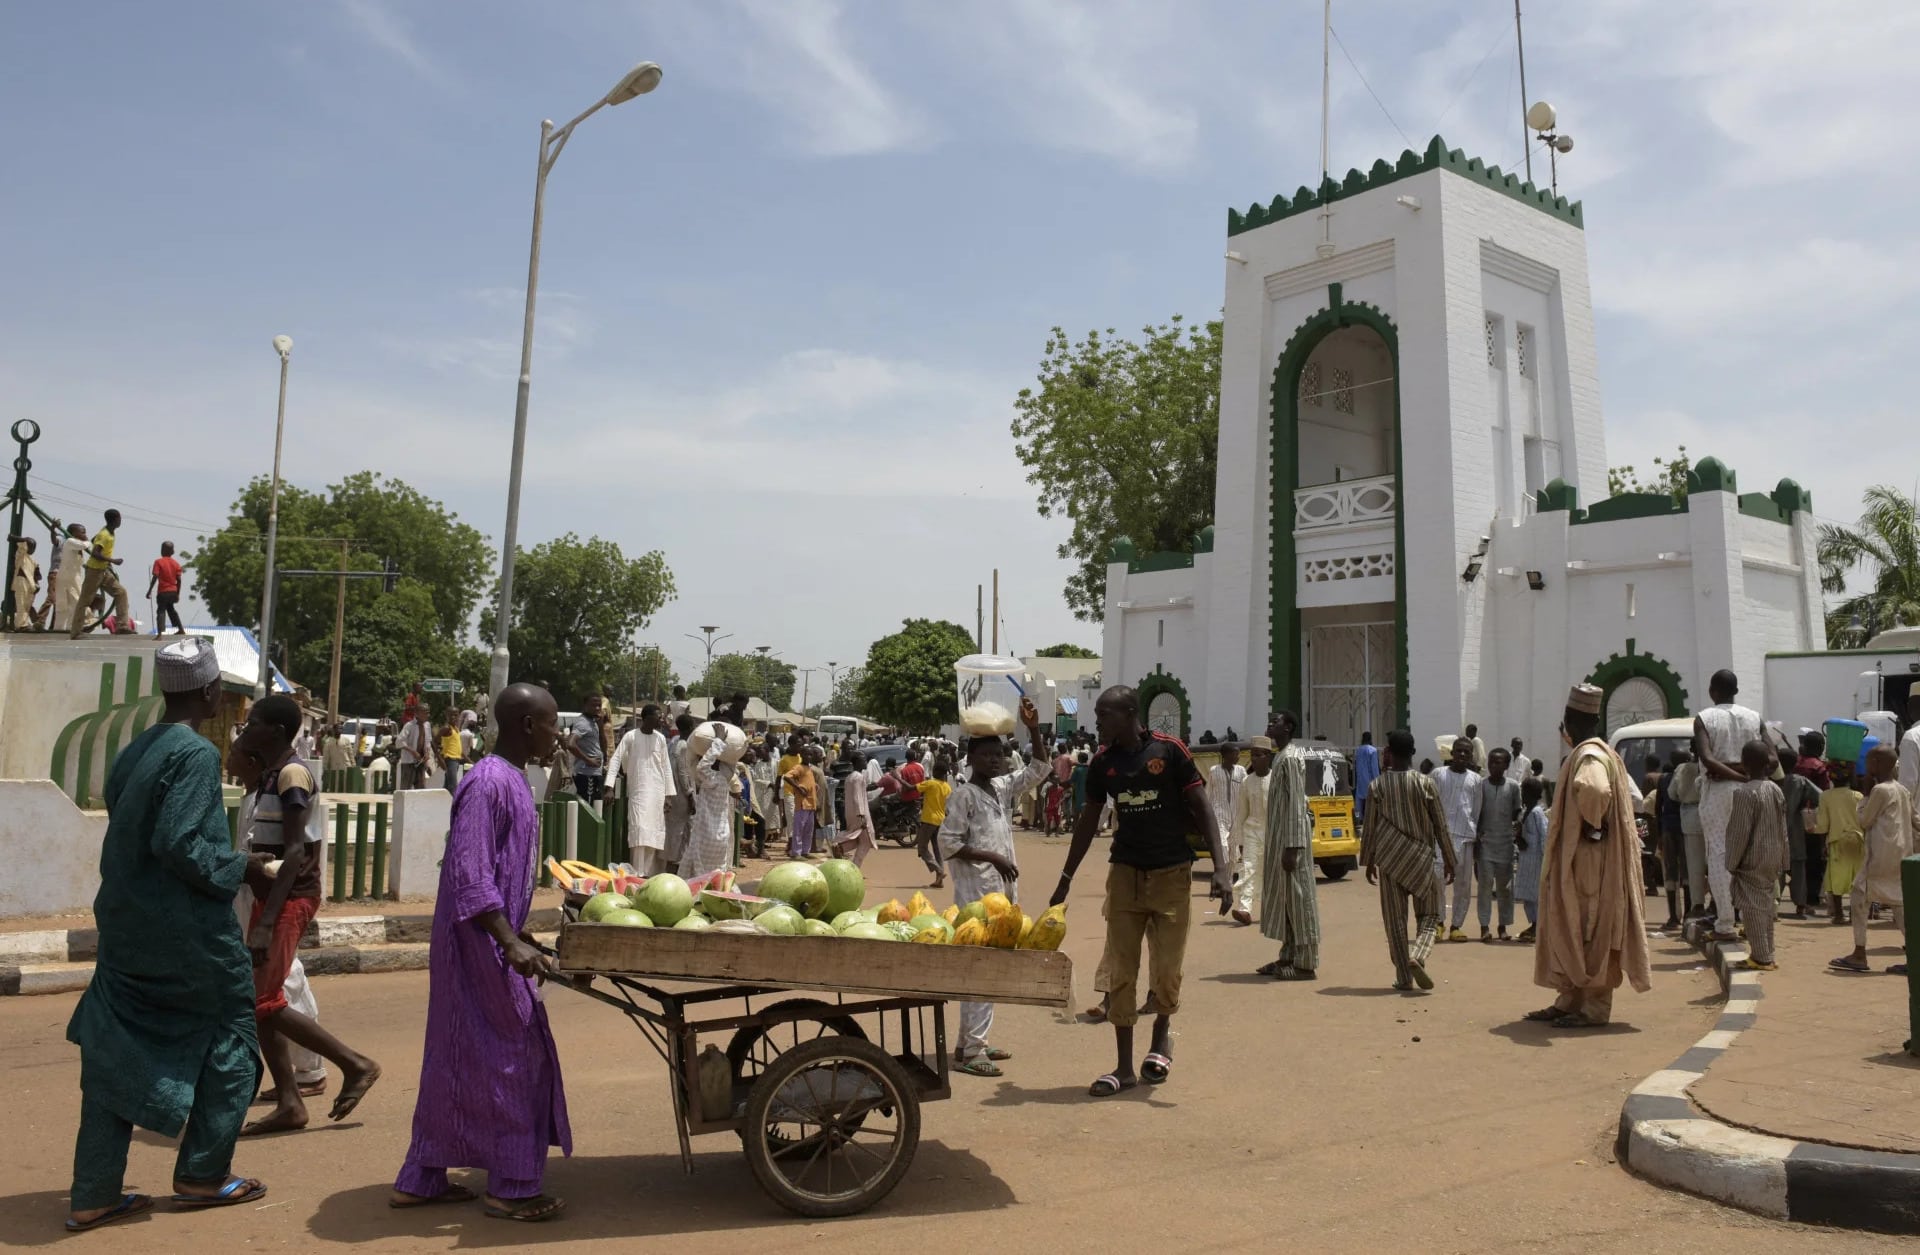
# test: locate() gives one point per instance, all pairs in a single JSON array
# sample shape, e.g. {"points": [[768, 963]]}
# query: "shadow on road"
{"points": [[37, 1219], [1354, 991], [1240, 978], [1530, 1033], [619, 1197], [1010, 1095]]}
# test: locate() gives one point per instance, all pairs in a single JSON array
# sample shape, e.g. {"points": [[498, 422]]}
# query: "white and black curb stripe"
{"points": [[1667, 1140]]}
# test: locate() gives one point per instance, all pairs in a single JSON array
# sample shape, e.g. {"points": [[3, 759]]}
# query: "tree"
{"points": [[744, 673], [908, 680], [1066, 650], [1122, 439], [846, 692], [576, 605], [649, 672], [445, 562], [1886, 542], [1669, 476]]}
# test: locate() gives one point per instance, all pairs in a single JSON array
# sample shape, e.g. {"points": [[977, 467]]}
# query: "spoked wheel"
{"points": [[755, 1046], [831, 1127]]}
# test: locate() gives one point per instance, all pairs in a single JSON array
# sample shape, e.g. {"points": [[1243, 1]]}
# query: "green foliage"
{"points": [[908, 679], [576, 605], [846, 692], [1122, 438], [445, 564], [1066, 650], [647, 671], [1884, 544], [1669, 476], [749, 674]]}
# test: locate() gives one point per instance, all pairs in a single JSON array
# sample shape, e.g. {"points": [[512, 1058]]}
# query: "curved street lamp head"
{"points": [[283, 345], [638, 81]]}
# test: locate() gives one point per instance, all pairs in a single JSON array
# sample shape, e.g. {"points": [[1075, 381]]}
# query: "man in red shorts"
{"points": [[285, 903]]}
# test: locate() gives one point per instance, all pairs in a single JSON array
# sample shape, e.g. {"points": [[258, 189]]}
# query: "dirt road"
{"points": [[1332, 1116]]}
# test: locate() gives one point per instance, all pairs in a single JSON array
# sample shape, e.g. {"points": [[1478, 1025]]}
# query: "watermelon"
{"points": [[847, 919], [800, 885], [626, 917], [780, 919], [723, 881], [718, 904], [922, 922], [846, 887], [693, 920], [901, 930], [870, 932], [665, 898], [816, 928], [597, 906]]}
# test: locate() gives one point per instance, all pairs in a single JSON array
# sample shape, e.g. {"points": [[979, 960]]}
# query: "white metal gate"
{"points": [[1351, 681]]}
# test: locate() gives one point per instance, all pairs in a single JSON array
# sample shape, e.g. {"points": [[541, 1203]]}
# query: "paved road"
{"points": [[1347, 1116]]}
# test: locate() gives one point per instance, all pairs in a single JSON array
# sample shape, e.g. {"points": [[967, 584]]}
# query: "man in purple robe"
{"points": [[490, 1094]]}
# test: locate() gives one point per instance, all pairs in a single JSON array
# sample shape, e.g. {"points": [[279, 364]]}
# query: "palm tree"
{"points": [[1886, 542]]}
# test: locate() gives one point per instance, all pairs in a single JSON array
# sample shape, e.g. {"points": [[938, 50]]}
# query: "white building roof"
{"points": [[239, 654]]}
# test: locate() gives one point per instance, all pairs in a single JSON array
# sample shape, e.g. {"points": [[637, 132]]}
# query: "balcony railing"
{"points": [[1344, 504]]}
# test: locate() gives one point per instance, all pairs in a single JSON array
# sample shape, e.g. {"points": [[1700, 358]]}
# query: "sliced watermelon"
{"points": [[720, 882]]}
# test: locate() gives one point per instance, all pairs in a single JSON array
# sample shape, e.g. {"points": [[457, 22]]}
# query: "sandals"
{"points": [[1109, 1085], [1577, 1019], [306, 1089], [1545, 1015], [452, 1194], [1268, 969], [979, 1065], [1094, 1015], [129, 1205], [539, 1207], [1420, 976], [1847, 963], [1156, 1067], [236, 1190]]}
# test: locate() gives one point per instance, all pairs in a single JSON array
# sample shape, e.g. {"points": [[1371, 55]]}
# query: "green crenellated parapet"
{"points": [[1559, 495], [1121, 550], [1710, 474]]}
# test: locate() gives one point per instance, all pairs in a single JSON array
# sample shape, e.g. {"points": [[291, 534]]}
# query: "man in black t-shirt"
{"points": [[1158, 796]]}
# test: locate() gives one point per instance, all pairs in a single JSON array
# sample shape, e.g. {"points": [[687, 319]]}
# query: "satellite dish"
{"points": [[1563, 143], [1540, 116], [283, 345]]}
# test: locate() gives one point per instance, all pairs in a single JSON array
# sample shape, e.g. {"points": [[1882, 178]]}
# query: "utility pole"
{"points": [[979, 619], [806, 686], [833, 683], [766, 680], [996, 610], [1520, 43], [339, 639]]}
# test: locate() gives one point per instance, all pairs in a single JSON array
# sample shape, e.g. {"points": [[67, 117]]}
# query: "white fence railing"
{"points": [[1344, 504]]}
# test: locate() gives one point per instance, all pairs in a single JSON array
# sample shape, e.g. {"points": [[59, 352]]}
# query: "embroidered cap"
{"points": [[1260, 743], [185, 665], [1584, 698]]}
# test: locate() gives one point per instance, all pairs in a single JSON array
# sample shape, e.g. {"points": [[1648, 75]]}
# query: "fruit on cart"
{"points": [[816, 928], [1026, 927], [951, 914], [779, 919], [1003, 930], [845, 920], [996, 905], [970, 933], [597, 906], [972, 910], [1048, 931], [933, 935], [738, 926], [665, 898], [927, 919], [918, 905], [901, 929], [846, 887], [721, 880], [719, 905], [870, 932], [626, 917], [692, 920], [800, 885], [893, 911]]}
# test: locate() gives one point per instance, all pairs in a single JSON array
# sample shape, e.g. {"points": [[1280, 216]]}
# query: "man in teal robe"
{"points": [[165, 1029]]}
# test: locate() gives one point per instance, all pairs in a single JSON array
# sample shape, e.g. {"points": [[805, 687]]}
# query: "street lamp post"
{"points": [[766, 679], [283, 345], [833, 682], [638, 81], [709, 640]]}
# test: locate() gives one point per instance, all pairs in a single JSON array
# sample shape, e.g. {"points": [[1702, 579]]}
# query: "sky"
{"points": [[787, 299]]}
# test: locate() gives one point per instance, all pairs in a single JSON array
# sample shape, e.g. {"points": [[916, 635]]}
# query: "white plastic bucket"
{"points": [[984, 679]]}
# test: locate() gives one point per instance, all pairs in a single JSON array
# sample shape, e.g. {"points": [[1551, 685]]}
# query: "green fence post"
{"points": [[1910, 892], [339, 851], [546, 842], [360, 850], [233, 825], [380, 810]]}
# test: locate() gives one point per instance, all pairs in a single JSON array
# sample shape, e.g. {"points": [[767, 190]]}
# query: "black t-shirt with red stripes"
{"points": [[1148, 786]]}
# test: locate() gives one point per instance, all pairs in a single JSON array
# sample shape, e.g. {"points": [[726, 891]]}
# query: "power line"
{"points": [[1460, 95], [147, 510], [1369, 86]]}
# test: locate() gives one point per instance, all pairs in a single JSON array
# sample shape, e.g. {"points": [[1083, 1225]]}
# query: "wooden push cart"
{"points": [[824, 1092]]}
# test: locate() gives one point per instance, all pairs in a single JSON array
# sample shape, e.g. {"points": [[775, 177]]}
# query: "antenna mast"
{"points": [[1520, 42], [1326, 97]]}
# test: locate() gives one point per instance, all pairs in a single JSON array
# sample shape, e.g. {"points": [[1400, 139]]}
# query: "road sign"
{"points": [[442, 686]]}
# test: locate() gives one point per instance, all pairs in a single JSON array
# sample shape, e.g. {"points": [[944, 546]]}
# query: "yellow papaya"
{"points": [[1003, 930], [970, 933], [951, 914], [931, 936], [996, 905], [1048, 931], [1026, 929], [893, 912], [972, 910], [918, 905]]}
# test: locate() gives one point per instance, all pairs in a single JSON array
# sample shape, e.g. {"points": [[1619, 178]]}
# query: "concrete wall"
{"points": [[50, 848], [418, 841], [1161, 620]]}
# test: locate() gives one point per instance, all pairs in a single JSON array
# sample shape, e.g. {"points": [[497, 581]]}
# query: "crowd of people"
{"points": [[189, 1004], [81, 588]]}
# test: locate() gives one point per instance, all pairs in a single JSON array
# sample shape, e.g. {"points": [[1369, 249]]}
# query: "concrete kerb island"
{"points": [[1666, 1139]]}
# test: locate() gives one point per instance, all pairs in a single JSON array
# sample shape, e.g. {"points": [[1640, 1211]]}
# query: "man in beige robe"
{"points": [[1591, 932]]}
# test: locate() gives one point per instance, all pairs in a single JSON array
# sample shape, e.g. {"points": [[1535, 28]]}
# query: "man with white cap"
{"points": [[1591, 932], [165, 1028]]}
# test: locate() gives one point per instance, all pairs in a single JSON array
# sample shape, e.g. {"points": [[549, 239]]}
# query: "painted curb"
{"points": [[1665, 1139]]}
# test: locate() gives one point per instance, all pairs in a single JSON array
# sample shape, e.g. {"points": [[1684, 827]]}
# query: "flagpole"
{"points": [[1326, 101], [1520, 42]]}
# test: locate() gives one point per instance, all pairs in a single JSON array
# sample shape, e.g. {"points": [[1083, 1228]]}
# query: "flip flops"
{"points": [[452, 1194], [1156, 1067], [979, 1065], [1109, 1085], [236, 1190], [129, 1205], [531, 1210], [1847, 963]]}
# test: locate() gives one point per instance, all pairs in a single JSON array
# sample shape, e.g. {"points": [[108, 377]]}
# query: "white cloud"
{"points": [[373, 22]]}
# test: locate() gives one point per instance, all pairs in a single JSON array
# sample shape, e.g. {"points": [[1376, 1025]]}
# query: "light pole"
{"points": [[283, 345], [706, 676], [638, 81], [833, 682], [766, 678], [806, 687]]}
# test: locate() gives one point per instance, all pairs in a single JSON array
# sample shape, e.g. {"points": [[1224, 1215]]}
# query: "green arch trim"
{"points": [[1283, 619], [1619, 668], [1161, 682]]}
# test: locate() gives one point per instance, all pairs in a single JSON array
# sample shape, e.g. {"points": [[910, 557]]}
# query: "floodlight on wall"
{"points": [[1472, 572], [1536, 582], [1239, 257]]}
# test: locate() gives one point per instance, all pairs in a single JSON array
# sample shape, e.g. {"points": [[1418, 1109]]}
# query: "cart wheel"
{"points": [[755, 1046], [831, 1127], [1335, 871]]}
